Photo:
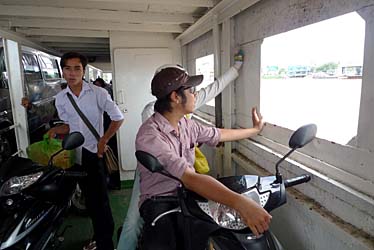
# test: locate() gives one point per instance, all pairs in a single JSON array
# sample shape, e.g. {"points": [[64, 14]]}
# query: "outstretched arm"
{"points": [[206, 94], [238, 134]]}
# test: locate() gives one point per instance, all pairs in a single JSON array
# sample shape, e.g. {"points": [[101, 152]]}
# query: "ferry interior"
{"points": [[305, 62]]}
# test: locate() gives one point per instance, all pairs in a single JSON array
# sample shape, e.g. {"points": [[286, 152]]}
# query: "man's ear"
{"points": [[174, 97]]}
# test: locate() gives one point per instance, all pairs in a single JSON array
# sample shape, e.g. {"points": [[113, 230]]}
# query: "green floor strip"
{"points": [[127, 184]]}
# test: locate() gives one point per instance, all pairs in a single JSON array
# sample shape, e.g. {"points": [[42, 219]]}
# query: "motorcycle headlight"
{"points": [[15, 184], [228, 217]]}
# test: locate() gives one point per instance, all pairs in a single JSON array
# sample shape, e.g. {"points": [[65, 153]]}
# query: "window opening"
{"points": [[107, 77], [49, 68], [313, 75], [31, 68], [91, 74]]}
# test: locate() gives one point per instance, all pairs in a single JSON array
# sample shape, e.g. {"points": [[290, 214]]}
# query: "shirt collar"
{"points": [[85, 87], [163, 123]]}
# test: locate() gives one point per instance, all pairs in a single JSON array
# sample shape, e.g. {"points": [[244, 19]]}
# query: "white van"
{"points": [[42, 79]]}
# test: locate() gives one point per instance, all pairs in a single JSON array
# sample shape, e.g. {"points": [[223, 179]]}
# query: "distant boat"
{"points": [[298, 71], [351, 72]]}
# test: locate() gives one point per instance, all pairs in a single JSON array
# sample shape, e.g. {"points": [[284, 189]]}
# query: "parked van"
{"points": [[42, 80]]}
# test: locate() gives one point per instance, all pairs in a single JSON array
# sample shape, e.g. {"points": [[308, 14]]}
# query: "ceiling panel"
{"points": [[84, 25]]}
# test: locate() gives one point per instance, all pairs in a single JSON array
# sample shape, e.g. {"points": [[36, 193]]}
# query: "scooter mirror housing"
{"points": [[299, 139], [152, 164], [149, 161], [302, 136], [72, 141]]}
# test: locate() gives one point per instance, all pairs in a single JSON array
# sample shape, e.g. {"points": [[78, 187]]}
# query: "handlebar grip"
{"points": [[297, 180], [75, 174]]}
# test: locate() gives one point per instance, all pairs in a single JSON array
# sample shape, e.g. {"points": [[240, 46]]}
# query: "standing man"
{"points": [[133, 223], [93, 102]]}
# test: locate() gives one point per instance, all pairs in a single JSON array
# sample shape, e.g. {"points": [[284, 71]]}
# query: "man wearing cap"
{"points": [[171, 138], [133, 222]]}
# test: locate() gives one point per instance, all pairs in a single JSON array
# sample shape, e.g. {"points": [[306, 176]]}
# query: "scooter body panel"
{"points": [[238, 241], [30, 217]]}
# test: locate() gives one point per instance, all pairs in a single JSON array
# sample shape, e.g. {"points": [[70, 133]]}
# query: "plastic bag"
{"points": [[41, 152], [201, 163]]}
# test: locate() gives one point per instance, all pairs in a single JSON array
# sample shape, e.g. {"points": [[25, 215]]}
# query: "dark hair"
{"points": [[71, 55], [100, 81], [163, 105]]}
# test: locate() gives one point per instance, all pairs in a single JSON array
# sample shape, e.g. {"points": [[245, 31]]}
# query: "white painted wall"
{"points": [[105, 67], [137, 40]]}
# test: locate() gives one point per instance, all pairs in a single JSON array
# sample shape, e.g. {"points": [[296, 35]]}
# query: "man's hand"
{"points": [[257, 121], [238, 59], [61, 129], [254, 216], [51, 133], [101, 147], [25, 102]]}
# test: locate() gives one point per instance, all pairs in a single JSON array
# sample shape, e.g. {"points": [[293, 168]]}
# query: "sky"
{"points": [[330, 40]]}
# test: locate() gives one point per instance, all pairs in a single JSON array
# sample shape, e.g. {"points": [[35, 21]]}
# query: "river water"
{"points": [[332, 104]]}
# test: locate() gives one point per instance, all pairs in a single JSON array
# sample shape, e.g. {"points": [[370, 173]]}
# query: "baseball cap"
{"points": [[171, 77]]}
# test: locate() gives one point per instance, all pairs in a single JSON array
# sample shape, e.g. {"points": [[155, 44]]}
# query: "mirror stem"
{"points": [[277, 174], [51, 159]]}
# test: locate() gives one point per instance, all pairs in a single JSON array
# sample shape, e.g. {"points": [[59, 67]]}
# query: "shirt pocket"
{"points": [[189, 153]]}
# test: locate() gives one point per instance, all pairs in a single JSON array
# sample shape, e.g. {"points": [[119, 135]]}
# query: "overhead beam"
{"points": [[27, 42], [191, 3], [98, 50], [109, 3], [77, 45], [79, 4], [222, 11], [5, 24], [91, 14], [93, 25], [91, 53], [63, 32], [59, 39]]}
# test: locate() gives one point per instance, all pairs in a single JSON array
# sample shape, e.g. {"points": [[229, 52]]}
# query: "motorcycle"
{"points": [[205, 224], [34, 200]]}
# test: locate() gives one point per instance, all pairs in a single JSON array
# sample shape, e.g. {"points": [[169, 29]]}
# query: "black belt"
{"points": [[168, 198]]}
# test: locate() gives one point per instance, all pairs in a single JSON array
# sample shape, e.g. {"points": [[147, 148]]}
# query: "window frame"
{"points": [[352, 164], [53, 60]]}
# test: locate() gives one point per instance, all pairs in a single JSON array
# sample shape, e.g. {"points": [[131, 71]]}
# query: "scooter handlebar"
{"points": [[297, 180]]}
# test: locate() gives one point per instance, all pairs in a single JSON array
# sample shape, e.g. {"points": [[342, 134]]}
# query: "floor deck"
{"points": [[78, 227]]}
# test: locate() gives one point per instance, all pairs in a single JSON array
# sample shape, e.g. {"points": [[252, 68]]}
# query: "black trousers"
{"points": [[166, 234], [94, 189]]}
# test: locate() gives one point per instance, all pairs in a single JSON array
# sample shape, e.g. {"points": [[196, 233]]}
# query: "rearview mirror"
{"points": [[299, 139], [149, 161], [72, 141], [302, 136]]}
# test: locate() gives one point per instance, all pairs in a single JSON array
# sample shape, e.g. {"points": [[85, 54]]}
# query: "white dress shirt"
{"points": [[92, 101]]}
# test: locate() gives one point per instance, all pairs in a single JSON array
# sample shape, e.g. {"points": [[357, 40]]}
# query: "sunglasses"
{"points": [[192, 90]]}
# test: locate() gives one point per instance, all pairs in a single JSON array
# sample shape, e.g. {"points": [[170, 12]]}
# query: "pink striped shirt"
{"points": [[175, 152]]}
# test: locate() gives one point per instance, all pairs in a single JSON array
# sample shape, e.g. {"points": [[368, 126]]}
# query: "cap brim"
{"points": [[193, 81]]}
